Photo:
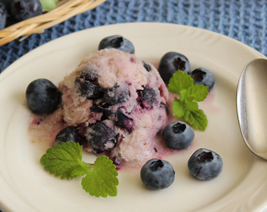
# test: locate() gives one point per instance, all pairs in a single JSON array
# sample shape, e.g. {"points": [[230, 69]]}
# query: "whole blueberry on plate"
{"points": [[42, 96], [23, 9], [68, 134], [203, 76], [205, 164], [118, 42], [178, 135], [157, 174], [170, 63], [3, 16]]}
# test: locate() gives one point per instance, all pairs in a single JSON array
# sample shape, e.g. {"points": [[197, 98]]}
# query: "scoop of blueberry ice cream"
{"points": [[118, 104]]}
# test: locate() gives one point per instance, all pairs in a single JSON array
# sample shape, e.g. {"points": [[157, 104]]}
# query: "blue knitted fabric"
{"points": [[243, 20]]}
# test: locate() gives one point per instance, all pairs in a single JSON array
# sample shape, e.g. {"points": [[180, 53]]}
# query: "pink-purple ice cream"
{"points": [[118, 104]]}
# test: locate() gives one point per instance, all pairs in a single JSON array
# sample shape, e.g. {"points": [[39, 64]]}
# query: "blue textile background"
{"points": [[243, 20]]}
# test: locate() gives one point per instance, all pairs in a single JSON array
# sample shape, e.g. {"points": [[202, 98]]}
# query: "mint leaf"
{"points": [[179, 81], [196, 118], [185, 96], [186, 106], [191, 106], [102, 181], [198, 92], [178, 108], [65, 160]]}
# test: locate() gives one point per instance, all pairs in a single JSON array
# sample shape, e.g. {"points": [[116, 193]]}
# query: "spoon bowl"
{"points": [[252, 106]]}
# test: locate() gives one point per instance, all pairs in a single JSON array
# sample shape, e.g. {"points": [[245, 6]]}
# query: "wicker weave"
{"points": [[65, 9]]}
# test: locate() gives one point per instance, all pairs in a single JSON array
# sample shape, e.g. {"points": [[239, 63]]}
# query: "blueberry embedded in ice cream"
{"points": [[147, 97], [101, 137], [68, 134], [178, 135], [204, 77], [117, 42], [147, 66], [42, 96], [170, 63], [87, 85], [205, 164], [90, 75], [116, 95], [124, 121], [88, 89], [157, 174], [101, 109], [107, 113]]}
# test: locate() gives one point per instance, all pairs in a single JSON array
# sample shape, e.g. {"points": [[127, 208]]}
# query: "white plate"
{"points": [[25, 186]]}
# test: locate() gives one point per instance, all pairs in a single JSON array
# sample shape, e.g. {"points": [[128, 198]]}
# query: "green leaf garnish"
{"points": [[198, 92], [102, 181], [179, 81], [186, 106], [196, 118], [65, 161], [178, 108], [191, 106]]}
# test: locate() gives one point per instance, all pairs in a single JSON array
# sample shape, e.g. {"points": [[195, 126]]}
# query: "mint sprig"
{"points": [[102, 181], [65, 161], [186, 106]]}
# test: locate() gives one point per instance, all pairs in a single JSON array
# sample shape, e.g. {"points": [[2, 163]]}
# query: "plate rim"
{"points": [[12, 67]]}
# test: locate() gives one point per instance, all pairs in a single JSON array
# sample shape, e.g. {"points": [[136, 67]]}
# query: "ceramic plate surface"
{"points": [[25, 186]]}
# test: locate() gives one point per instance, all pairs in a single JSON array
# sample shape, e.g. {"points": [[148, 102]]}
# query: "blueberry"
{"points": [[107, 113], [117, 42], [147, 66], [5, 2], [42, 96], [204, 77], [124, 121], [101, 137], [68, 134], [117, 161], [88, 89], [88, 86], [147, 97], [170, 63], [3, 15], [23, 9], [178, 135], [101, 109], [116, 95], [157, 174], [90, 75], [205, 164]]}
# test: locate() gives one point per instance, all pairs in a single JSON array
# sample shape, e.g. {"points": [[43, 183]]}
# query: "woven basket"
{"points": [[65, 9]]}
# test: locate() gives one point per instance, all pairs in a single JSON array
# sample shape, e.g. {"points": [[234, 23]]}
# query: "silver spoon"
{"points": [[252, 106]]}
